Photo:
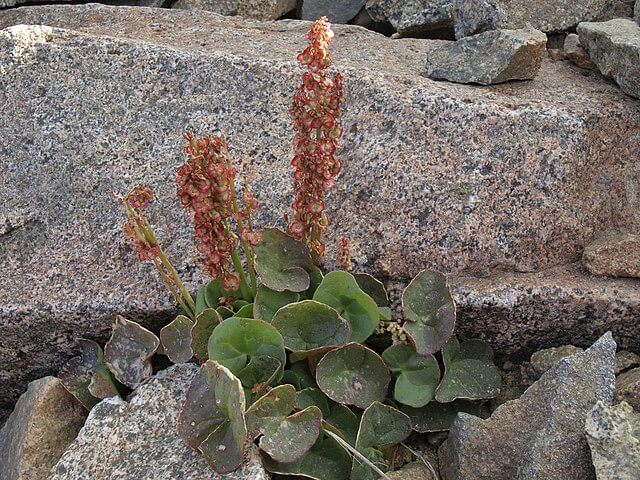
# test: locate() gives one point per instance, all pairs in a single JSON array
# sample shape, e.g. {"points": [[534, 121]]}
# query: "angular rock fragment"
{"points": [[540, 435], [613, 434], [138, 439], [543, 360], [616, 255], [628, 388], [576, 52], [614, 47], [475, 16], [489, 57], [257, 9], [46, 420], [415, 18], [625, 360], [337, 11]]}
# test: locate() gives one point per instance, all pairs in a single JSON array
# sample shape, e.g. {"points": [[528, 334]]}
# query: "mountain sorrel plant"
{"points": [[309, 368]]}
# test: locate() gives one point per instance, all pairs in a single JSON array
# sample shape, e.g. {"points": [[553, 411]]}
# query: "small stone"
{"points": [[540, 435], [421, 18], [412, 471], [543, 360], [475, 16], [138, 439], [625, 360], [490, 57], [576, 53], [614, 47], [257, 9], [45, 421], [616, 255], [613, 434], [337, 11], [628, 388]]}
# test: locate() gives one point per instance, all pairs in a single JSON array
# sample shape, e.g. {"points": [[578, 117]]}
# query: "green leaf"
{"points": [[345, 421], [308, 397], [206, 321], [428, 305], [212, 420], [380, 425], [260, 372], [102, 384], [310, 326], [239, 304], [373, 287], [176, 339], [128, 352], [282, 262], [77, 374], [236, 340], [341, 291], [438, 417], [315, 276], [326, 460], [214, 291], [299, 376], [353, 375], [201, 301], [268, 302], [278, 403], [469, 372], [246, 311], [417, 377], [224, 312], [385, 313], [289, 439]]}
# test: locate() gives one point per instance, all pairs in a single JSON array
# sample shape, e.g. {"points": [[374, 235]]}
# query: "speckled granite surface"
{"points": [[456, 177]]}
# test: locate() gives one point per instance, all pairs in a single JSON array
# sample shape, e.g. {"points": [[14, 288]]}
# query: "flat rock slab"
{"points": [[490, 57], [540, 436], [615, 254], [475, 16], [436, 175], [46, 420], [138, 439], [258, 9], [614, 47], [414, 18], [337, 11]]}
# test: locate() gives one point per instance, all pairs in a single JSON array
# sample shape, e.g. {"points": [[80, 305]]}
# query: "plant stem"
{"points": [[244, 287]]}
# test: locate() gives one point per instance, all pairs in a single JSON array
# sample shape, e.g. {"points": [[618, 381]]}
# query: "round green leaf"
{"points": [[373, 287], [469, 372], [382, 425], [213, 292], [236, 340], [212, 417], [345, 422], [428, 305], [201, 301], [353, 375], [310, 325], [299, 376], [438, 417], [289, 439], [246, 311], [260, 372], [326, 460], [206, 321], [273, 406], [282, 262], [268, 302], [417, 377], [224, 312], [128, 352], [341, 291], [313, 396], [176, 339]]}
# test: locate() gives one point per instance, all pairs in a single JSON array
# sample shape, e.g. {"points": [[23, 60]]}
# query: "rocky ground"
{"points": [[496, 141]]}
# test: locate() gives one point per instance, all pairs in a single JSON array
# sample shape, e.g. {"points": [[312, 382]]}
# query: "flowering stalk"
{"points": [[206, 187], [344, 254], [315, 110], [139, 230]]}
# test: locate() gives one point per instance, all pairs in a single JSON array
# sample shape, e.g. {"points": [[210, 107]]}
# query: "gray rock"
{"points": [[45, 421], [82, 119], [475, 16], [626, 360], [541, 435], [138, 439], [613, 434], [257, 9], [576, 52], [636, 11], [411, 471], [490, 57], [137, 3], [414, 17], [337, 11], [543, 360], [628, 388], [617, 9], [614, 47], [614, 254]]}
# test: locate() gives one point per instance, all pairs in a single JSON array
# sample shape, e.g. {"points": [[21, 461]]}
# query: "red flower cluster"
{"points": [[315, 111], [344, 254], [137, 228], [206, 187]]}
